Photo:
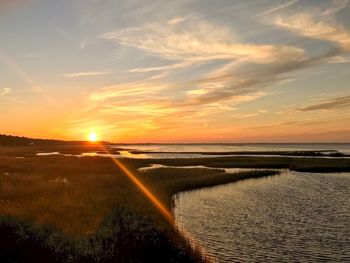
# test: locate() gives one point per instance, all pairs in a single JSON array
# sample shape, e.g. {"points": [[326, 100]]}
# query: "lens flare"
{"points": [[157, 203]]}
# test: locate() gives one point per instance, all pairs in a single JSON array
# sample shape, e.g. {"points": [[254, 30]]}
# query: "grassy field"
{"points": [[70, 209]]}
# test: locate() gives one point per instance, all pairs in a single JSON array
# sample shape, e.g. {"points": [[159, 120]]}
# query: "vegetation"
{"points": [[70, 209], [8, 140], [309, 164], [29, 151]]}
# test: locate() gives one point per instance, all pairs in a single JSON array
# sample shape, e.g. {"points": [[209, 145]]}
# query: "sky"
{"points": [[176, 70]]}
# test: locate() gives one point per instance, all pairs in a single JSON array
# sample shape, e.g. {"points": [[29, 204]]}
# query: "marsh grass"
{"points": [[301, 164], [71, 193], [69, 209]]}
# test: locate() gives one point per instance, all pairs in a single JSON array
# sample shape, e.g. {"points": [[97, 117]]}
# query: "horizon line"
{"points": [[184, 143]]}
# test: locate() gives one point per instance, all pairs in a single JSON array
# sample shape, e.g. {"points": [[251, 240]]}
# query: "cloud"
{"points": [[339, 59], [86, 74], [307, 25], [244, 116], [277, 8], [5, 91], [245, 73], [234, 85], [162, 68], [222, 87], [289, 124], [199, 40], [329, 104], [125, 91], [191, 41], [318, 25], [177, 20]]}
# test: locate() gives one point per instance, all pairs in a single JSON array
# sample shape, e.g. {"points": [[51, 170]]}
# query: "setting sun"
{"points": [[92, 137]]}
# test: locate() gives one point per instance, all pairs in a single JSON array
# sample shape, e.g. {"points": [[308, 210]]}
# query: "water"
{"points": [[231, 147], [292, 217], [227, 170], [163, 151]]}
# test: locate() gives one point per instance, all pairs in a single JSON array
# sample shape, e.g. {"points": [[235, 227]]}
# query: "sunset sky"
{"points": [[176, 71]]}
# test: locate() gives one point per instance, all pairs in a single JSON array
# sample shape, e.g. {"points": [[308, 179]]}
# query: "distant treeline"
{"points": [[9, 140]]}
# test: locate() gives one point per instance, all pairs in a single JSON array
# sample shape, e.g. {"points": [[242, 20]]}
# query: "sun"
{"points": [[92, 137]]}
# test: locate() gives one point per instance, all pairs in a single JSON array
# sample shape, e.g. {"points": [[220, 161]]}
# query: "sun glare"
{"points": [[92, 137]]}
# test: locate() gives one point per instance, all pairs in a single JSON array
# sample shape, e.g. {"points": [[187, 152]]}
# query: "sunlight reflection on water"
{"points": [[174, 151]]}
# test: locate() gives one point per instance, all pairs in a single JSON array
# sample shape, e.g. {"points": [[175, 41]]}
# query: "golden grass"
{"points": [[74, 194], [71, 193], [91, 195], [103, 215]]}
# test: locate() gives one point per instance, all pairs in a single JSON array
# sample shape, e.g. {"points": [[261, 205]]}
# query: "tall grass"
{"points": [[69, 209]]}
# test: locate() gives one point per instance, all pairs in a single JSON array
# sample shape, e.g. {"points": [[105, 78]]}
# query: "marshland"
{"points": [[69, 207]]}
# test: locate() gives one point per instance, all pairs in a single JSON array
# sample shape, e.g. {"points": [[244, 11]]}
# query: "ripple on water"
{"points": [[292, 217]]}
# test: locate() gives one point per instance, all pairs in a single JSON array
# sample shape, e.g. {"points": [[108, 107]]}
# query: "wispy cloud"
{"points": [[86, 74], [190, 41], [277, 8], [339, 59], [329, 104], [244, 116], [5, 91], [199, 40], [186, 42], [177, 20], [163, 68], [227, 70], [318, 25], [234, 85], [307, 25], [126, 90], [289, 124]]}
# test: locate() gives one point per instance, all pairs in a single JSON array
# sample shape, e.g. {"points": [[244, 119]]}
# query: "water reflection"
{"points": [[128, 154], [47, 153], [292, 217], [231, 147], [227, 170]]}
